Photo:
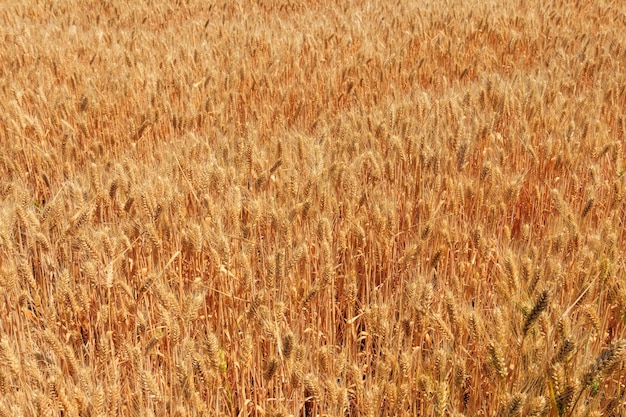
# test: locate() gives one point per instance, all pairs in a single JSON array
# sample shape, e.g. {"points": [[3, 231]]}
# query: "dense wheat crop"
{"points": [[354, 208]]}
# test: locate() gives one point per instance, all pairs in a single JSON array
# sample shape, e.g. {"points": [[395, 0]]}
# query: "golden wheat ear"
{"points": [[610, 357], [540, 305]]}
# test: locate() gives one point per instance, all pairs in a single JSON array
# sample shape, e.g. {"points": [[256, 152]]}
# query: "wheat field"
{"points": [[312, 208]]}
